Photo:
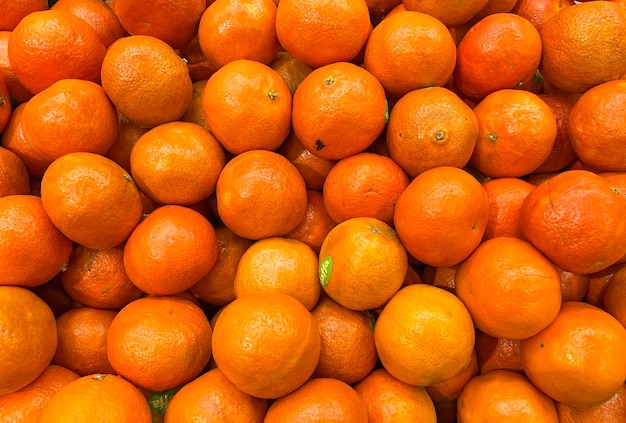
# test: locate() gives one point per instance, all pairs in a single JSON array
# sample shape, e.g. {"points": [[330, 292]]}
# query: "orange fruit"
{"points": [[91, 199], [30, 337], [410, 50], [316, 224], [561, 218], [514, 299], [348, 351], [323, 32], [424, 335], [5, 104], [292, 70], [498, 41], [364, 185], [313, 169], [503, 395], [319, 399], [247, 105], [199, 67], [505, 201], [441, 277], [570, 359], [615, 294], [282, 345], [16, 89], [127, 135], [516, 133], [442, 197], [159, 342], [451, 13], [388, 399], [574, 286], [339, 110], [98, 15], [492, 7], [54, 121], [260, 194], [97, 278], [54, 296], [539, 11], [82, 334], [497, 353], [177, 163], [49, 45], [611, 411], [362, 263], [450, 389], [596, 133], [431, 127], [211, 397], [597, 284], [16, 10], [170, 250], [195, 113], [239, 29], [106, 397], [26, 404], [174, 22], [14, 177], [583, 45], [32, 249], [146, 80]]}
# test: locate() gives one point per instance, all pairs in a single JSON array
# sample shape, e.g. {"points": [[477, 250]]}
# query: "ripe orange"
{"points": [[615, 294], [159, 342], [98, 15], [247, 105], [503, 395], [239, 29], [441, 276], [442, 197], [91, 199], [127, 135], [561, 218], [316, 224], [388, 399], [16, 89], [292, 70], [30, 337], [313, 169], [450, 389], [5, 104], [516, 133], [339, 110], [598, 282], [195, 113], [14, 177], [16, 10], [323, 32], [260, 194], [509, 287], [497, 353], [362, 263], [364, 185], [170, 250], [424, 335], [431, 127], [574, 286], [282, 345], [611, 411], [212, 397], [451, 13], [319, 399], [146, 80], [106, 397], [505, 201], [580, 358], [49, 45], [539, 11], [410, 50]]}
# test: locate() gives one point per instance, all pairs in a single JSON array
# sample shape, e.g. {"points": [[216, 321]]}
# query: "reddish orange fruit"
{"points": [[316, 224]]}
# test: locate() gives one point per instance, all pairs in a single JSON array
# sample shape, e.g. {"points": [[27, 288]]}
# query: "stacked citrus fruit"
{"points": [[313, 211]]}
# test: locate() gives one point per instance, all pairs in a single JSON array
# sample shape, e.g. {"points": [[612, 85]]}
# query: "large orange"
{"points": [[441, 216], [282, 345], [30, 337], [424, 335]]}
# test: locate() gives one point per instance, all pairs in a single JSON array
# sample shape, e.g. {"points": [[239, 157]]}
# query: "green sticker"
{"points": [[159, 401], [326, 267]]}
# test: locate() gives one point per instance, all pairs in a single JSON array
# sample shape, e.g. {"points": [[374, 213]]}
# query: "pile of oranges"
{"points": [[313, 211]]}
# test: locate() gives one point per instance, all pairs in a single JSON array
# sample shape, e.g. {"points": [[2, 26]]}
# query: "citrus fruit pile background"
{"points": [[313, 211]]}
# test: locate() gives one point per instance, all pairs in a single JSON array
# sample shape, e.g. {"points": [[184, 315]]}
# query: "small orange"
{"points": [[30, 337], [14, 177], [450, 389], [442, 197], [239, 29], [55, 296], [362, 263], [339, 110], [615, 295], [539, 11], [441, 277], [319, 399], [106, 397], [16, 89], [598, 282], [247, 105], [505, 201], [431, 127], [199, 67], [424, 335], [503, 395], [410, 50], [316, 224], [348, 351], [574, 286], [49, 45], [212, 397], [16, 10], [32, 248], [195, 113], [159, 342], [282, 345], [323, 32], [5, 104], [497, 353], [91, 199], [451, 13], [388, 399], [170, 250], [260, 194], [313, 169], [98, 15], [127, 135], [364, 185], [291, 69], [611, 411]]}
